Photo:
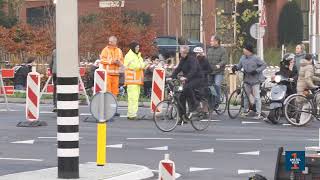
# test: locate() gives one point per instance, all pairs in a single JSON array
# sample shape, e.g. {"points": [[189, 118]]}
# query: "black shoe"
{"points": [[54, 110], [117, 115], [132, 118]]}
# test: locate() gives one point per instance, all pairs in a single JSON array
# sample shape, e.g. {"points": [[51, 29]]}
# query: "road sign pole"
{"points": [[101, 135], [260, 39], [67, 88]]}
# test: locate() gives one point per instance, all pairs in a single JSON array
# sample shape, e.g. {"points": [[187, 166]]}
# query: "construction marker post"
{"points": [[100, 80], [103, 108], [167, 169], [158, 84], [32, 101]]}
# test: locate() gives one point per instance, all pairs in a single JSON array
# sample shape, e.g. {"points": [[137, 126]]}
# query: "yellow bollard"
{"points": [[101, 143]]}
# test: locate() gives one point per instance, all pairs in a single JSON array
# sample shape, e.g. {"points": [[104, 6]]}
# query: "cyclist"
{"points": [[192, 76], [253, 67], [206, 70], [306, 75]]}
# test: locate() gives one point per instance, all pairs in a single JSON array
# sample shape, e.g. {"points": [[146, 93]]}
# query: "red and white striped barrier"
{"points": [[158, 84], [7, 74], [33, 96], [100, 80], [167, 169], [9, 90]]}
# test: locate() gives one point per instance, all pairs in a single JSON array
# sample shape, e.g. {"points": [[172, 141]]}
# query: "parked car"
{"points": [[168, 45]]}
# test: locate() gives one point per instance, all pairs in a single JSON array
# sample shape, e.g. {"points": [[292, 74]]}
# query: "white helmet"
{"points": [[198, 50]]}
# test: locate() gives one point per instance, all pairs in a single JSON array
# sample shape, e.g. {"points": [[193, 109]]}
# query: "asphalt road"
{"points": [[140, 142]]}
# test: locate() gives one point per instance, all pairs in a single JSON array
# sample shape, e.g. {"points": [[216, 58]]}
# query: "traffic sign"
{"points": [[257, 31], [103, 106], [263, 19]]}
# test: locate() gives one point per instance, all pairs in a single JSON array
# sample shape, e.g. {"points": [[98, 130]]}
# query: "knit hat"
{"points": [[133, 45], [249, 47]]}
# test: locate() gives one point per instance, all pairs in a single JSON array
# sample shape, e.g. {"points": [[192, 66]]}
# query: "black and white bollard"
{"points": [[67, 89]]}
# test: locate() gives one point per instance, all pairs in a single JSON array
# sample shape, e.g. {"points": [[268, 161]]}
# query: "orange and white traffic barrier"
{"points": [[33, 96], [167, 169], [6, 74], [158, 84], [100, 80]]}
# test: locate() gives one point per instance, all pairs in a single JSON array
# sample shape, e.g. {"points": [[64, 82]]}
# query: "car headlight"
{"points": [[277, 79]]}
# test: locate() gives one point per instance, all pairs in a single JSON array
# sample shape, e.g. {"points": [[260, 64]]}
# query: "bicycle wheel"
{"points": [[223, 101], [202, 121], [298, 110], [316, 100], [235, 104], [166, 116]]}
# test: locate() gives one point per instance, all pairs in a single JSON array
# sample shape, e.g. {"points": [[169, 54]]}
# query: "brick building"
{"points": [[171, 17]]}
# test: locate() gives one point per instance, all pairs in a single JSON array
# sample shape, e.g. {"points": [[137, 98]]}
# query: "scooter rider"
{"points": [[290, 71]]}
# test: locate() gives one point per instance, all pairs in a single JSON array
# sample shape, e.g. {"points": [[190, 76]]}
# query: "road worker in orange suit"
{"points": [[134, 78], [112, 59]]}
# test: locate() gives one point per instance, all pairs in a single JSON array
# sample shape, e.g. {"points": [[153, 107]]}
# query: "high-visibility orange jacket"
{"points": [[134, 68], [108, 57]]}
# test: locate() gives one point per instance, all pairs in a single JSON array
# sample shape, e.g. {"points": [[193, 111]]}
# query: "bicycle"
{"points": [[236, 100], [221, 106], [170, 112], [299, 110]]}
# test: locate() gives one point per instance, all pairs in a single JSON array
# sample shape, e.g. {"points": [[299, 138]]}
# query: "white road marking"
{"points": [[205, 150], [10, 110], [286, 124], [195, 169], [23, 142], [250, 122], [47, 137], [123, 116], [220, 139], [18, 159], [117, 146], [245, 171], [316, 140], [163, 148], [85, 114], [149, 138], [46, 112], [252, 153]]}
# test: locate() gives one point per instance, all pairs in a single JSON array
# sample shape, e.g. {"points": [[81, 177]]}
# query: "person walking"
{"points": [[300, 55], [218, 58], [148, 74], [112, 59], [53, 68], [134, 78]]}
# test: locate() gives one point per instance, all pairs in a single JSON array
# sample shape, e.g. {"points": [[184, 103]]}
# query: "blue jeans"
{"points": [[216, 81], [253, 92]]}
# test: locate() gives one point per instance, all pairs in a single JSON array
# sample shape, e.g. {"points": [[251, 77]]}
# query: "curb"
{"points": [[89, 171], [141, 174]]}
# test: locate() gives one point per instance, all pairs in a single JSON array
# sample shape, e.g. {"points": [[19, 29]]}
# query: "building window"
{"points": [[191, 19], [38, 16], [304, 6]]}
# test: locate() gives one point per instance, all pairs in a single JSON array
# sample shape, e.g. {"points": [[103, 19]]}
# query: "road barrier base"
{"points": [[32, 124]]}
